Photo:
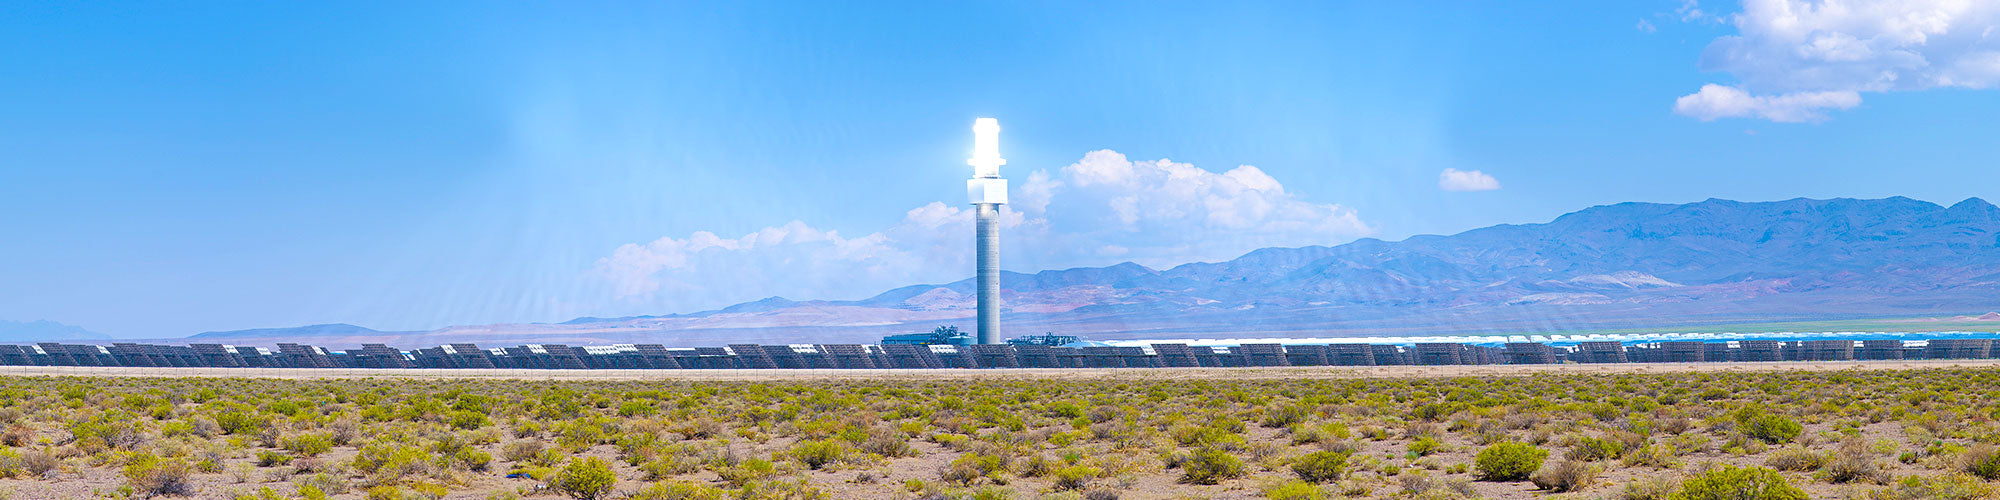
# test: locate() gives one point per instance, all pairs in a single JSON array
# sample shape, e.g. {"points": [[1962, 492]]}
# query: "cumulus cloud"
{"points": [[1721, 101], [1101, 210], [1452, 179], [1796, 59]]}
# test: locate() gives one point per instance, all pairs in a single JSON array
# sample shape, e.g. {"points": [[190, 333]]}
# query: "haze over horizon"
{"points": [[177, 169]]}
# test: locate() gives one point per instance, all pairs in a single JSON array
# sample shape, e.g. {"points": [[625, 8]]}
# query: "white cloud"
{"points": [[1101, 210], [1797, 58], [1690, 11], [1720, 101], [1647, 27], [1452, 179]]}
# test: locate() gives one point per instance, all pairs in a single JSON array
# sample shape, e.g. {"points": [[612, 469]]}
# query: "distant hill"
{"points": [[1629, 265], [45, 331], [309, 330]]}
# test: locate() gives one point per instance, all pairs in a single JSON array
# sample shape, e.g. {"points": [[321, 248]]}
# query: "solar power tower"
{"points": [[987, 192]]}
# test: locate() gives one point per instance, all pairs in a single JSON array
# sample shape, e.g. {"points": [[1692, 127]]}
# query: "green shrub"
{"points": [[1774, 429], [747, 471], [268, 458], [1320, 466], [468, 420], [1075, 477], [1294, 490], [819, 454], [308, 444], [1733, 483], [666, 467], [1591, 449], [1210, 466], [1284, 416], [1425, 446], [584, 478], [384, 492], [1509, 461], [972, 467]]}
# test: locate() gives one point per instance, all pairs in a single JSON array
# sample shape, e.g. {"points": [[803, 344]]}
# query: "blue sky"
{"points": [[171, 169]]}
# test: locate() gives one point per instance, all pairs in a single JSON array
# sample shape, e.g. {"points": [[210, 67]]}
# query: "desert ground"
{"points": [[1873, 430]]}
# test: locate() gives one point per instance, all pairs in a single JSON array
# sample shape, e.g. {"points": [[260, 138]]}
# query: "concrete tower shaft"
{"points": [[989, 272]]}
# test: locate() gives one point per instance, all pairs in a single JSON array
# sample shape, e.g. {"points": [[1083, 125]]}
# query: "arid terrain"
{"points": [[1876, 430]]}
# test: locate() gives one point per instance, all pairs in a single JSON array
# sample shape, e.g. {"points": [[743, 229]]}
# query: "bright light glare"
{"points": [[986, 138], [986, 148]]}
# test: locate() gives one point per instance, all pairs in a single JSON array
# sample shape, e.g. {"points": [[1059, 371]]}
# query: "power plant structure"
{"points": [[987, 191]]}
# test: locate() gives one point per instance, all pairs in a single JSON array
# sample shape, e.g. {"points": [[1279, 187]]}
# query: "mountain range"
{"points": [[1615, 266], [45, 331]]}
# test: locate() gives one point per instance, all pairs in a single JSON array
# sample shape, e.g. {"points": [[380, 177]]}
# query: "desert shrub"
{"points": [[1939, 487], [326, 484], [1420, 485], [636, 408], [1567, 475], [239, 422], [521, 451], [1075, 477], [1591, 449], [1320, 466], [679, 490], [972, 467], [584, 478], [151, 476], [39, 463], [1657, 455], [1509, 461], [1770, 428], [1210, 466], [819, 454], [392, 462], [468, 420], [384, 492], [268, 458], [1734, 483], [1795, 459], [1294, 490], [747, 471], [471, 459], [1038, 466], [1853, 462], [889, 444], [308, 444], [1983, 461], [1649, 488], [666, 467], [786, 490], [1424, 446], [1284, 416]]}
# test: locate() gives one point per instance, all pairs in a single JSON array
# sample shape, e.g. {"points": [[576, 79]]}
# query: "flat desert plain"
{"points": [[1876, 430]]}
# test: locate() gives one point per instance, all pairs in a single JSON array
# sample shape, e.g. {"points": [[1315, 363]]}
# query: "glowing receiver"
{"points": [[986, 186]]}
